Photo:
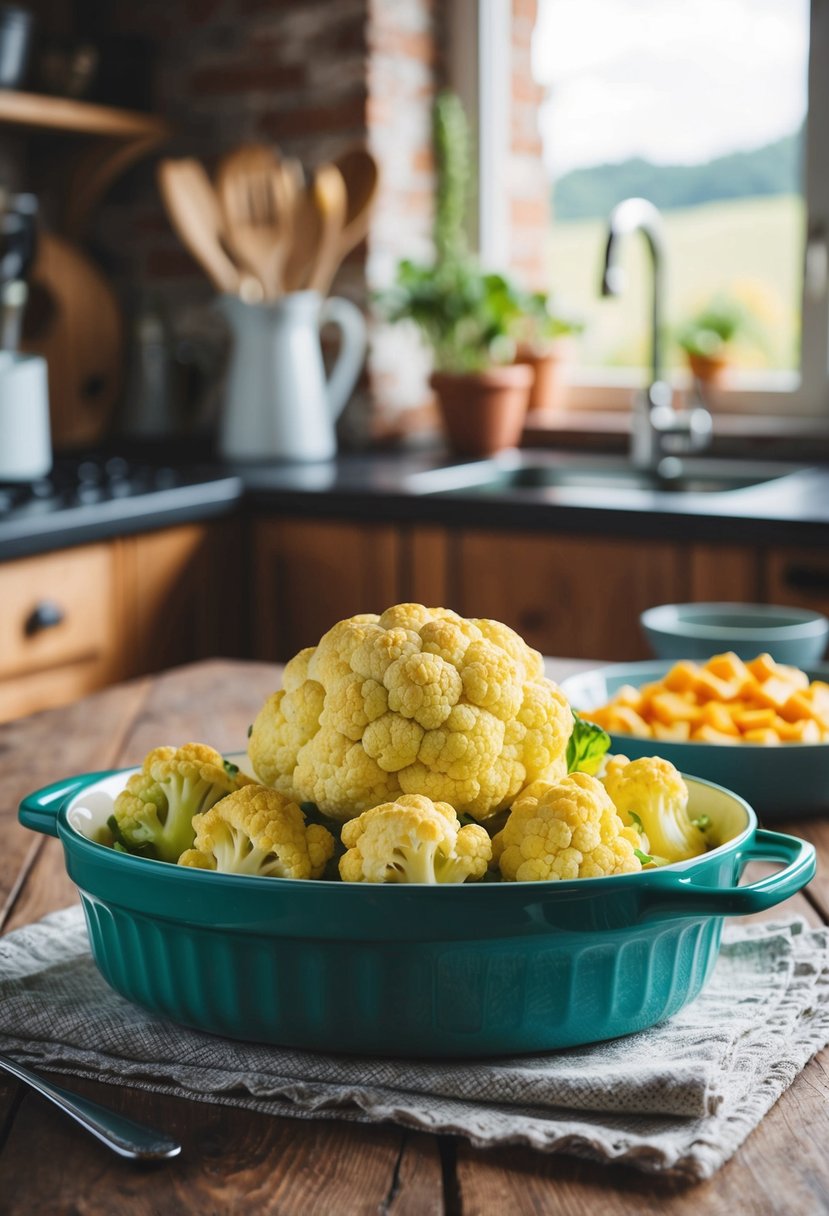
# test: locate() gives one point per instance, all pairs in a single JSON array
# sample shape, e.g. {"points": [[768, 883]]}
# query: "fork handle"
{"points": [[124, 1136]]}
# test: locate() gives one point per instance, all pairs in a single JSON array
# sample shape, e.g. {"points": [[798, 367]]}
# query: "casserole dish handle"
{"points": [[39, 810], [686, 898]]}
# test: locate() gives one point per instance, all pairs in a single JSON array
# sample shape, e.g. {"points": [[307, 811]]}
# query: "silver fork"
{"points": [[122, 1135]]}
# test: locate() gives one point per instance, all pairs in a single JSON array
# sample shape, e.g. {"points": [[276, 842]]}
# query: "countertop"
{"points": [[794, 509], [237, 1160]]}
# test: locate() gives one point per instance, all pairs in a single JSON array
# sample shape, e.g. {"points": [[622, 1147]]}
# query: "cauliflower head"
{"points": [[258, 831], [416, 701], [153, 816], [649, 792], [413, 840], [567, 830]]}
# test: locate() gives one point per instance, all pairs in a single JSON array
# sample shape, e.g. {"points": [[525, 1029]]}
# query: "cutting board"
{"points": [[74, 321]]}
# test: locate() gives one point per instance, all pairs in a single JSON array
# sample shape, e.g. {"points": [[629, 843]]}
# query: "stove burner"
{"points": [[87, 480]]}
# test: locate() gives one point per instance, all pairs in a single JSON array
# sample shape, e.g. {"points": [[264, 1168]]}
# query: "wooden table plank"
{"points": [[232, 1160], [235, 1159]]}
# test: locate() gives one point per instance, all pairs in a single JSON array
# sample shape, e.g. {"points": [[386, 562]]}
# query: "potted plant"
{"points": [[466, 314], [708, 338], [544, 334]]}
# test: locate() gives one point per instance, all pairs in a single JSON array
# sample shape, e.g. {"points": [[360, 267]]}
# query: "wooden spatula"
{"points": [[193, 210], [258, 213], [329, 200]]}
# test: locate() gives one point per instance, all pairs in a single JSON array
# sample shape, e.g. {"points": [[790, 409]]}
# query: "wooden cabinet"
{"points": [[577, 596], [799, 577], [59, 628], [182, 592], [309, 574], [76, 620]]}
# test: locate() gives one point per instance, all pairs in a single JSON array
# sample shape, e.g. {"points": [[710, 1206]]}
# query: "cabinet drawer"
{"points": [[56, 609]]}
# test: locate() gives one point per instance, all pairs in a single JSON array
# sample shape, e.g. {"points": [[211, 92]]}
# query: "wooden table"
{"points": [[234, 1160]]}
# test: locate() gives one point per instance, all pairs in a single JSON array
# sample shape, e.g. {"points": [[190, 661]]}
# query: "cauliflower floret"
{"points": [[153, 816], [568, 830], [413, 840], [416, 701], [258, 831], [650, 793]]}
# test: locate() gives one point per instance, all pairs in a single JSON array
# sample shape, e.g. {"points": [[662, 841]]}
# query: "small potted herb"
{"points": [[545, 335], [708, 338], [466, 315]]}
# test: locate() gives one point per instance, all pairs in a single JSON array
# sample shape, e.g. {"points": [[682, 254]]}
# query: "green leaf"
{"points": [[250, 730], [231, 769], [586, 747], [703, 822], [637, 822], [644, 858]]}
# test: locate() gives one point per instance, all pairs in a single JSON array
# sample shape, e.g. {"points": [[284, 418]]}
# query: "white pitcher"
{"points": [[278, 403]]}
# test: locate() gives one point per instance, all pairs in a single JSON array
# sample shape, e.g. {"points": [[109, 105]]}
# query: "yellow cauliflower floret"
{"points": [[650, 792], [153, 815], [258, 831], [568, 830], [416, 701], [413, 839]]}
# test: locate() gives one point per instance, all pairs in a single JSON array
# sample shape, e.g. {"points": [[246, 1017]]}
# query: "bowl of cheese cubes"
{"points": [[756, 726]]}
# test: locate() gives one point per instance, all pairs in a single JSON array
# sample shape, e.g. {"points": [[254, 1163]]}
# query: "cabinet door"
{"points": [[59, 634], [182, 595], [573, 597], [726, 573], [309, 574], [799, 577]]}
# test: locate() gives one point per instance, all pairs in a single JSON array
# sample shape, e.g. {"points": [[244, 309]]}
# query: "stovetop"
{"points": [[92, 497], [81, 482]]}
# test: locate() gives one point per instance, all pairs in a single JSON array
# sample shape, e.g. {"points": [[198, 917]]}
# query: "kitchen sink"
{"points": [[520, 472]]}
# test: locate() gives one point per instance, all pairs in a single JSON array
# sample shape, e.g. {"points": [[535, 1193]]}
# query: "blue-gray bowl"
{"points": [[697, 631]]}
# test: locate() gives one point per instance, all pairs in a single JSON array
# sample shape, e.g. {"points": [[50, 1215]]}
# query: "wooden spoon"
{"points": [[330, 203], [193, 210], [257, 207], [361, 177]]}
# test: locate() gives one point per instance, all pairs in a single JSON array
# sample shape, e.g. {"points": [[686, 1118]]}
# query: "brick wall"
{"points": [[313, 76]]}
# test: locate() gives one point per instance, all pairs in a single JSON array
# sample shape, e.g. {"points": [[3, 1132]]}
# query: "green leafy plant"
{"points": [[467, 315], [542, 322], [586, 747], [711, 332]]}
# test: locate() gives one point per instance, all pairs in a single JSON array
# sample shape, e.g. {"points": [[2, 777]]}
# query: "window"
{"points": [[713, 112]]}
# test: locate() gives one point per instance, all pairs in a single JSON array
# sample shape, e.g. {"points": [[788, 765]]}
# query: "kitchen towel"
{"points": [[677, 1099]]}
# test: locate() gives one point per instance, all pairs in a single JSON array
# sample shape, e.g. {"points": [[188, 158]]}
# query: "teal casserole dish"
{"points": [[412, 970]]}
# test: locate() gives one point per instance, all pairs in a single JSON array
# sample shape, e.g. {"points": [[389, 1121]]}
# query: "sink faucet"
{"points": [[659, 432]]}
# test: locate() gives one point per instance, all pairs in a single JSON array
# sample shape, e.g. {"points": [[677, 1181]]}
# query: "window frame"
{"points": [[479, 69]]}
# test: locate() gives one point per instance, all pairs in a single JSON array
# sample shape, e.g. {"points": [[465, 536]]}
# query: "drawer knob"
{"points": [[46, 614]]}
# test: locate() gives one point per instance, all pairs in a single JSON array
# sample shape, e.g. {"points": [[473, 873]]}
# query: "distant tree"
{"points": [[592, 192]]}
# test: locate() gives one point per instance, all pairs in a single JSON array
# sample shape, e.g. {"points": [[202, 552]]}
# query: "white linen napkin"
{"points": [[676, 1099]]}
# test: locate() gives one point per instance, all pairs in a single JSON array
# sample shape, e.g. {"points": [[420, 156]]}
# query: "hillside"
{"points": [[591, 193]]}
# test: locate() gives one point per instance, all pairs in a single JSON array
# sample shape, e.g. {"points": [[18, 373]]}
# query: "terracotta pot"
{"points": [[549, 389], [484, 412], [707, 368]]}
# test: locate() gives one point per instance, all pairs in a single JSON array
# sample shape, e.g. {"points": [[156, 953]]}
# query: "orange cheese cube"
{"points": [[706, 733], [627, 695], [763, 667], [755, 719], [670, 707], [715, 714], [804, 731], [621, 719], [763, 735], [729, 667], [775, 691], [678, 732], [681, 677], [797, 707], [709, 687]]}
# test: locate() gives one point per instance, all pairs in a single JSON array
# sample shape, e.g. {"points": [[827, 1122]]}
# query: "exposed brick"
{"points": [[171, 264], [348, 115]]}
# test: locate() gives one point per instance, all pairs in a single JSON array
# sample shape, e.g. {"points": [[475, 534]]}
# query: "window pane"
{"points": [[701, 109]]}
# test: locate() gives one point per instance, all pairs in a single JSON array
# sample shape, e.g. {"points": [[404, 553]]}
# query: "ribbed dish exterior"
{"points": [[458, 998]]}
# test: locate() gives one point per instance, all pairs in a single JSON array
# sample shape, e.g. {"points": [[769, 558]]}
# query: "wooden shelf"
{"points": [[36, 110]]}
